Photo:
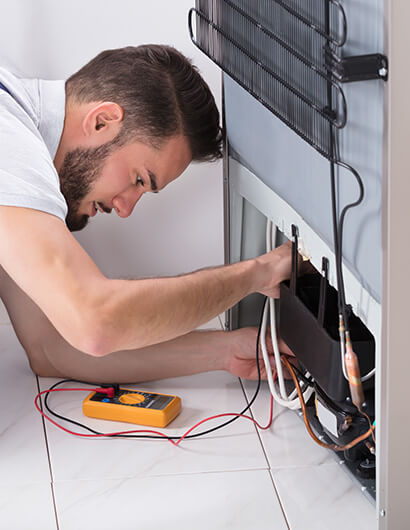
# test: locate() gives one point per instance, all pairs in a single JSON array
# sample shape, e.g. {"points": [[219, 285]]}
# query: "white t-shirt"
{"points": [[31, 124]]}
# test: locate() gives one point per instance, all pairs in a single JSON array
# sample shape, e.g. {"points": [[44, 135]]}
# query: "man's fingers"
{"points": [[285, 371], [283, 347]]}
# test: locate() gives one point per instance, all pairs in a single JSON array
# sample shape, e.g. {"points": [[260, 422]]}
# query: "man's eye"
{"points": [[139, 181]]}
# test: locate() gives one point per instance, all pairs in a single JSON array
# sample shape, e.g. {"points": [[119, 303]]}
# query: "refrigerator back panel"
{"points": [[287, 164], [283, 58]]}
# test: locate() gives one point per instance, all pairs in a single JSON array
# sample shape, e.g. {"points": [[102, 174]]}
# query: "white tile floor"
{"points": [[233, 479]]}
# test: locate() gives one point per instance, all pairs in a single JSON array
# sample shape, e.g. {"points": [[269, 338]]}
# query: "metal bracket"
{"points": [[360, 68]]}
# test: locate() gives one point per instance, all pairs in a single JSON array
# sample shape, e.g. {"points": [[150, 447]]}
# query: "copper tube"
{"points": [[335, 447], [353, 374]]}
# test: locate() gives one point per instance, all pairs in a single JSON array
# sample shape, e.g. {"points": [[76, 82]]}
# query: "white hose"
{"points": [[269, 236], [291, 402]]}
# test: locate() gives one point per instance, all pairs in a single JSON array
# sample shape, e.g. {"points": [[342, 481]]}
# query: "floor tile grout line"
{"points": [[48, 456], [279, 499], [266, 458], [257, 430], [55, 505], [164, 476]]}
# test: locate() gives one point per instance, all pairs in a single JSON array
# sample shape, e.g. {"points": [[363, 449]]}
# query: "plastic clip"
{"points": [[323, 291], [294, 274]]}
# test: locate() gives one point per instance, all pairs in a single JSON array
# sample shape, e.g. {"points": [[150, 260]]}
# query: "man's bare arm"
{"points": [[99, 315]]}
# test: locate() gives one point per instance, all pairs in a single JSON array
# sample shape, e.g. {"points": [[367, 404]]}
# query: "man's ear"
{"points": [[103, 122]]}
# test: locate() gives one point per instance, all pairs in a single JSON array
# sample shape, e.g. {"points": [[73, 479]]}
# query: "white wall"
{"points": [[181, 228]]}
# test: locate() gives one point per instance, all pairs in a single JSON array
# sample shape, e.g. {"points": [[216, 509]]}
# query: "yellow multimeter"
{"points": [[133, 406]]}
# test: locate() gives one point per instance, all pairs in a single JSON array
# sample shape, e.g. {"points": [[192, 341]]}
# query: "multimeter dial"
{"points": [[131, 399]]}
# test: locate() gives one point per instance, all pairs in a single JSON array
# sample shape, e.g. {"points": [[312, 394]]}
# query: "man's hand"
{"points": [[277, 266], [242, 358]]}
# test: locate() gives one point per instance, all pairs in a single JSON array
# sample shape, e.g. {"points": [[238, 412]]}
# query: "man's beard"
{"points": [[80, 169]]}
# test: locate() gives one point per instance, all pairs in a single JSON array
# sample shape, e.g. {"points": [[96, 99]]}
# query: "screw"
{"points": [[383, 72], [382, 513]]}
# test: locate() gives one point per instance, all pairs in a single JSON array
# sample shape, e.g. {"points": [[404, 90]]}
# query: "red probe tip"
{"points": [[109, 391]]}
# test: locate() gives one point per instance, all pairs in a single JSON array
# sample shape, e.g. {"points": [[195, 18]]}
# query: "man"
{"points": [[128, 123]]}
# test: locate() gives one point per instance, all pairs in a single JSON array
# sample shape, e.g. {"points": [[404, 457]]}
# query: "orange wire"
{"points": [[335, 447], [370, 424]]}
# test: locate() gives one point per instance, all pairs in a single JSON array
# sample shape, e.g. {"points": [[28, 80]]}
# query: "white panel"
{"points": [[393, 428]]}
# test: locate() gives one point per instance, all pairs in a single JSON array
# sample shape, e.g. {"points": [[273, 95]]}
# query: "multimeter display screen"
{"points": [[149, 401]]}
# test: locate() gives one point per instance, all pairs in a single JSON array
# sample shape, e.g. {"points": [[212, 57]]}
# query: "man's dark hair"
{"points": [[161, 93]]}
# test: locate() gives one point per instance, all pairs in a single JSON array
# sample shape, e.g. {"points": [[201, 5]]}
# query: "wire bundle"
{"points": [[280, 395]]}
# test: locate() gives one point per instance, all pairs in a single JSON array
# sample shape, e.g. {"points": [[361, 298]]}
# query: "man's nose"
{"points": [[125, 202]]}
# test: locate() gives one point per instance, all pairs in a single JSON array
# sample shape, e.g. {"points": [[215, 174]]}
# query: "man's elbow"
{"points": [[99, 342], [93, 338], [94, 345]]}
